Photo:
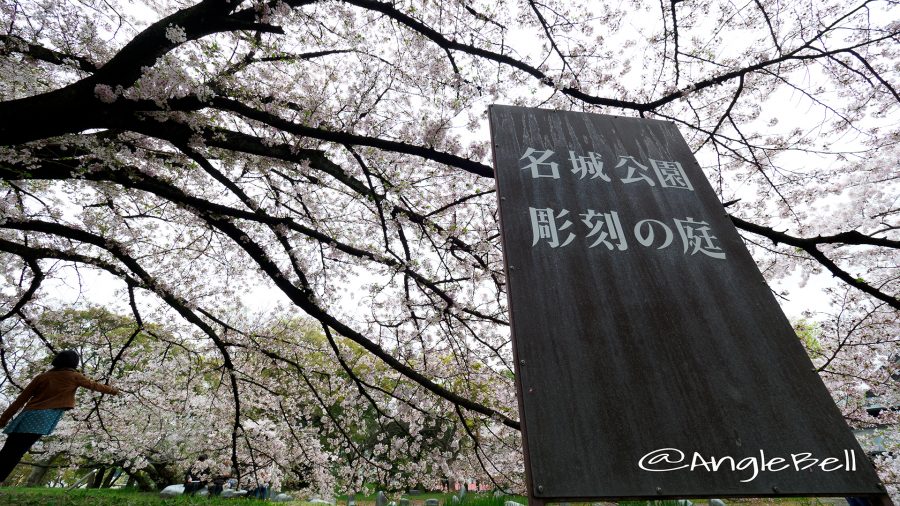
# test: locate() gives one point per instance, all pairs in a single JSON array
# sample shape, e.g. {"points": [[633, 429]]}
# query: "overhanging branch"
{"points": [[810, 246]]}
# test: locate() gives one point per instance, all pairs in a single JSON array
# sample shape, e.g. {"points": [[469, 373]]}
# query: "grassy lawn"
{"points": [[21, 496]]}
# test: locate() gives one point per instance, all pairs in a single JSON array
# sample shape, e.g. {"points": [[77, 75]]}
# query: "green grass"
{"points": [[473, 499], [21, 496]]}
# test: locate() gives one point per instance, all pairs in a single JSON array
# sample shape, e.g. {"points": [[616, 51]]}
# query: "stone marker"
{"points": [[172, 491], [404, 501], [380, 499], [282, 497], [455, 500], [431, 502], [351, 500], [716, 502], [414, 492], [512, 503], [685, 502], [462, 491]]}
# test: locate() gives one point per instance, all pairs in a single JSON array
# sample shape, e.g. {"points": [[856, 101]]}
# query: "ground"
{"points": [[20, 496]]}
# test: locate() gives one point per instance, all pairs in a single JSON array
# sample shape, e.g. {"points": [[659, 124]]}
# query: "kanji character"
{"points": [[591, 164], [613, 231], [543, 226], [671, 175], [695, 236], [633, 167], [536, 163]]}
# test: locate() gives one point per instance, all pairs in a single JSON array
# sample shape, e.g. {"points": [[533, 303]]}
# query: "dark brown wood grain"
{"points": [[626, 351]]}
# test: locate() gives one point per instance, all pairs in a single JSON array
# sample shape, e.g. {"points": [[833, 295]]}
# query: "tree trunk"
{"points": [[107, 481], [144, 483], [38, 476], [98, 478], [162, 474]]}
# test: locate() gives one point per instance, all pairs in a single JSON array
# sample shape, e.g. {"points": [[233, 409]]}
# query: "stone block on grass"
{"points": [[172, 491]]}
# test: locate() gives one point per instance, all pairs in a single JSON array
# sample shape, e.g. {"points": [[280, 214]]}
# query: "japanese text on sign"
{"points": [[668, 174], [554, 228], [557, 231]]}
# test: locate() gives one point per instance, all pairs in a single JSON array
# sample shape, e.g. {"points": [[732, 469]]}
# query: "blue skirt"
{"points": [[37, 421]]}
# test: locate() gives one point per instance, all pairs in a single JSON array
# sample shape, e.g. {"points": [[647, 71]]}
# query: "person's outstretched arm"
{"points": [[84, 381], [19, 402]]}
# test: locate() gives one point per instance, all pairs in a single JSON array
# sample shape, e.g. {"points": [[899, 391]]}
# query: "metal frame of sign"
{"points": [[652, 360]]}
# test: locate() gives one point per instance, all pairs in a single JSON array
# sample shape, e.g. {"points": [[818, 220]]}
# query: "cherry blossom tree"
{"points": [[334, 154]]}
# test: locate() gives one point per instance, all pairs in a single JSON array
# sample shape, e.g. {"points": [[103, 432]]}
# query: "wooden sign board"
{"points": [[652, 358]]}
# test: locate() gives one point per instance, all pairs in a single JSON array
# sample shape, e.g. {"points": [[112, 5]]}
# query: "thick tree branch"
{"points": [[37, 276], [340, 137], [810, 246], [13, 43]]}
